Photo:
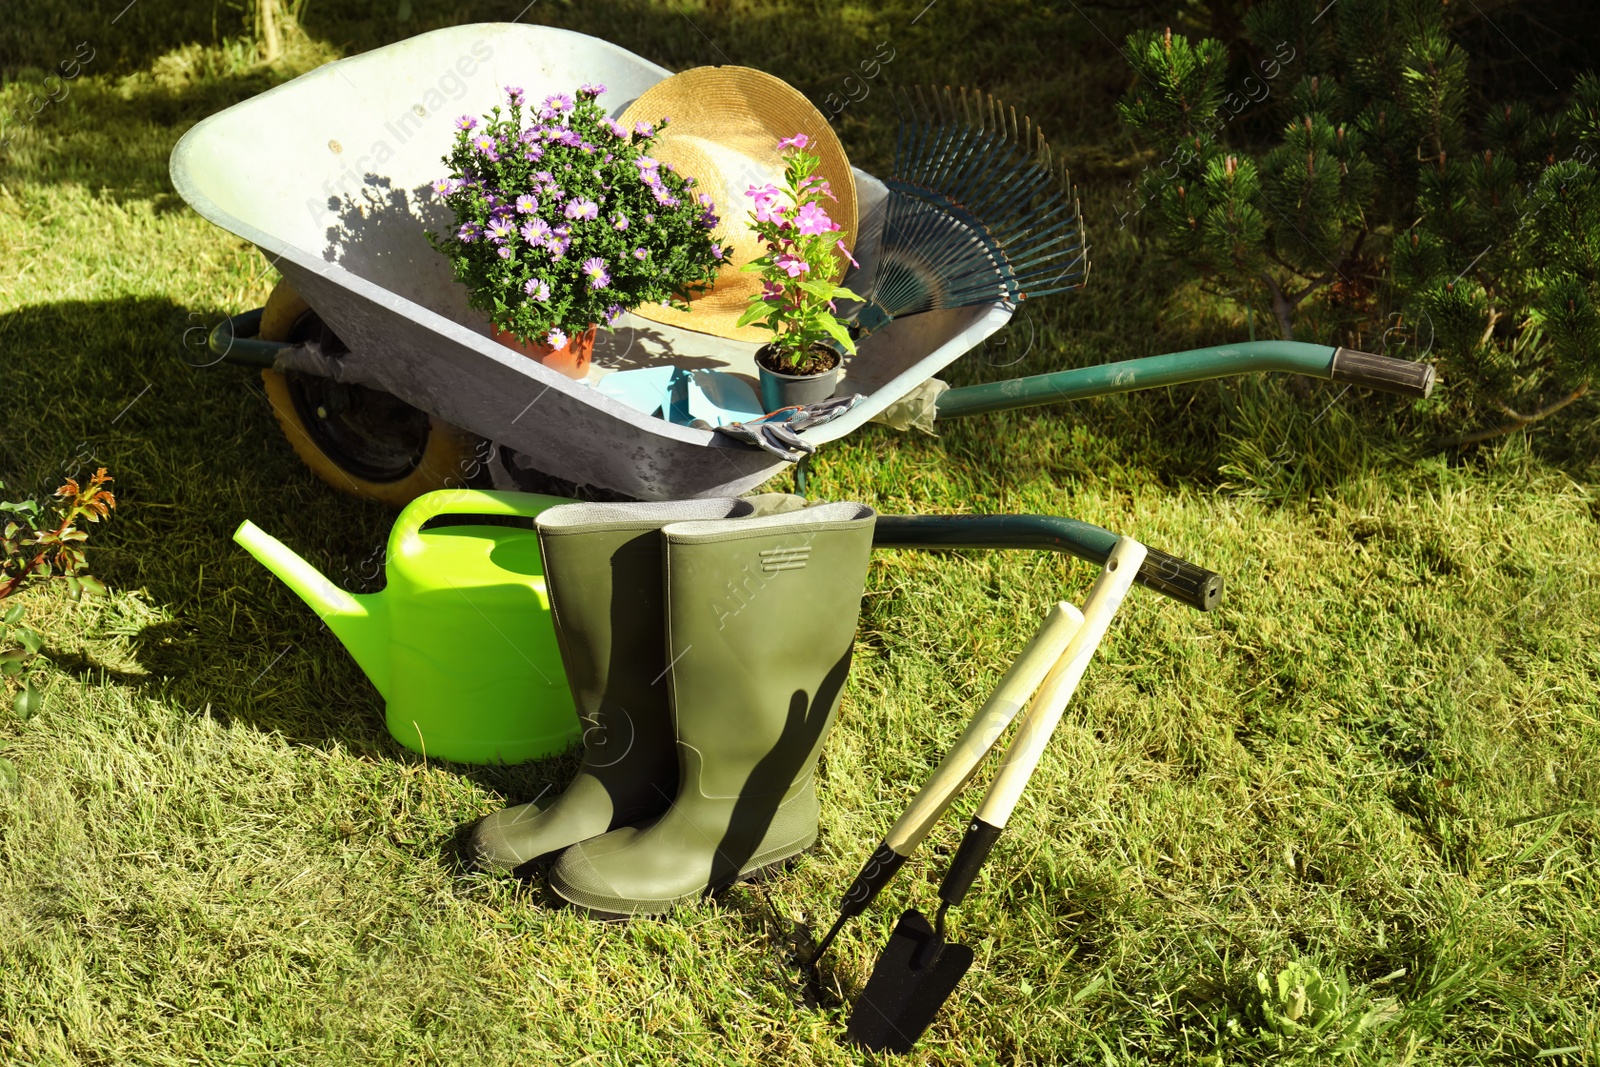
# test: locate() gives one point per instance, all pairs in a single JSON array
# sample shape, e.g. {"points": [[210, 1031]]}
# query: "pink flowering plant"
{"points": [[797, 298], [566, 220]]}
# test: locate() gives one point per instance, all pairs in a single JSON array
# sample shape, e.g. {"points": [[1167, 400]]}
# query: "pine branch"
{"points": [[1520, 420]]}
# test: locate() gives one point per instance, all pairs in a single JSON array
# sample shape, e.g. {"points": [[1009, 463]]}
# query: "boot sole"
{"points": [[765, 866]]}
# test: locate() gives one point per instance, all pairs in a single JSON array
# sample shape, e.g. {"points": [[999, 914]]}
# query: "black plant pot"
{"points": [[780, 390]]}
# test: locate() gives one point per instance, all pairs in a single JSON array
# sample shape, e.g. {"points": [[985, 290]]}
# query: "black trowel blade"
{"points": [[912, 979]]}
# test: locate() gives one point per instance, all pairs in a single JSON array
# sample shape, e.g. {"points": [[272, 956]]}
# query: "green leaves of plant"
{"points": [[28, 702], [9, 779], [14, 613]]}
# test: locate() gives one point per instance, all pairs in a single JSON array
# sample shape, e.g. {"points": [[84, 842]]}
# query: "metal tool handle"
{"points": [[1039, 723], [1177, 368], [1167, 574], [1384, 373]]}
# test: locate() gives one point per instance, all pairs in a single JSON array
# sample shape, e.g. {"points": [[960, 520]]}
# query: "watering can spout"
{"points": [[353, 619]]}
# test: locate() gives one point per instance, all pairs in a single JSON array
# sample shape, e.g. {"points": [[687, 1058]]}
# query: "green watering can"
{"points": [[460, 641]]}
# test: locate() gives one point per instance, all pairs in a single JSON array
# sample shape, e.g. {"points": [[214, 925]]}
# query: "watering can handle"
{"points": [[404, 537]]}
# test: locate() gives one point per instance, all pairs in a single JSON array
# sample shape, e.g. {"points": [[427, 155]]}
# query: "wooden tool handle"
{"points": [[1051, 701], [1023, 754], [961, 762]]}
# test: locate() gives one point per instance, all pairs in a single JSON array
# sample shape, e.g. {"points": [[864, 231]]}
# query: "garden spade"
{"points": [[956, 769], [918, 970]]}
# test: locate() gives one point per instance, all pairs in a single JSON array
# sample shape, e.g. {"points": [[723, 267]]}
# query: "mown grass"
{"points": [[1377, 760]]}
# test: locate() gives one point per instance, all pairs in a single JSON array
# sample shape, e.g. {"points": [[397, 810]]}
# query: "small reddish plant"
{"points": [[35, 547], [797, 295]]}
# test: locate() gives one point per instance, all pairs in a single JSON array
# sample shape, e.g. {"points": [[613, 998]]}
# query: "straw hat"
{"points": [[725, 128]]}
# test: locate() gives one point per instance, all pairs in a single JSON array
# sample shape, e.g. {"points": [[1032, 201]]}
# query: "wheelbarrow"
{"points": [[389, 386]]}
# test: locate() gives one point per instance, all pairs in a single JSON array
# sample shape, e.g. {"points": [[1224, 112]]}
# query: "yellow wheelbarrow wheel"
{"points": [[361, 441]]}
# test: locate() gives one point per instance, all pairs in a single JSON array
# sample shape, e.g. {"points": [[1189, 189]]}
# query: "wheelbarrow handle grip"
{"points": [[1384, 373], [1167, 574]]}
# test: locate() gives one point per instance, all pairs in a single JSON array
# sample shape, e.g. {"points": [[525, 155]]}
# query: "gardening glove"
{"points": [[779, 432]]}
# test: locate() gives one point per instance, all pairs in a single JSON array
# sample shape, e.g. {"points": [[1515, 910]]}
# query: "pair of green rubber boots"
{"points": [[707, 645]]}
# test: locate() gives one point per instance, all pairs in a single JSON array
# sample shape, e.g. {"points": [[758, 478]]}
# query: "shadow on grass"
{"points": [[194, 452]]}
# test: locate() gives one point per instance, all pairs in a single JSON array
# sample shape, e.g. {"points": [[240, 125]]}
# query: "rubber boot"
{"points": [[603, 573], [761, 616]]}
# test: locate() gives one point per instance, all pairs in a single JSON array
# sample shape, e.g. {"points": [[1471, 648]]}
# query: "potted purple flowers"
{"points": [[800, 365], [565, 222]]}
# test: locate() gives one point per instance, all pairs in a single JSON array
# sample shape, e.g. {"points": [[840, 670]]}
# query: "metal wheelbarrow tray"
{"points": [[328, 176]]}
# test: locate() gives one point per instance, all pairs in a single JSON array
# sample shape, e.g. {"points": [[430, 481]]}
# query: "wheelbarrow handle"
{"points": [[1180, 368], [237, 340], [1165, 573]]}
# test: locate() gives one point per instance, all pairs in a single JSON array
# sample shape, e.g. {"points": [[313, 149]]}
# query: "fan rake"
{"points": [[978, 212]]}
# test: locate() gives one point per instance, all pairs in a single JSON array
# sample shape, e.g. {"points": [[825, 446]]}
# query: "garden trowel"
{"points": [[918, 969]]}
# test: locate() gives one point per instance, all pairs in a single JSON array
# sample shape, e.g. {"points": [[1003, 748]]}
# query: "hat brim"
{"points": [[725, 126]]}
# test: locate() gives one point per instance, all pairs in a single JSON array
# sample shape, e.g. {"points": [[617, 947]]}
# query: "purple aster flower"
{"points": [[618, 130], [607, 159], [500, 229], [649, 218], [514, 94], [563, 231], [533, 154], [526, 204], [591, 90], [558, 247], [556, 338], [586, 148], [664, 196], [594, 268], [619, 222], [709, 220], [468, 232], [537, 289], [646, 163], [705, 199], [504, 251], [466, 122], [543, 176], [639, 254], [644, 129], [570, 138], [582, 209], [444, 186], [612, 313], [558, 102], [535, 231]]}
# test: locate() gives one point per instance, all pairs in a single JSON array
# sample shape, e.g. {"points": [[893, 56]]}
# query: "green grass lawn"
{"points": [[1375, 767]]}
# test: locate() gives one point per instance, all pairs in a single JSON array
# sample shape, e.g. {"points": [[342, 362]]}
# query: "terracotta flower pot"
{"points": [[571, 359], [780, 389]]}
